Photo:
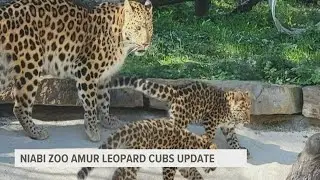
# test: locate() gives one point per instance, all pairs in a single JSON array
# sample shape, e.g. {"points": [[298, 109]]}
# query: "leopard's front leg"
{"points": [[191, 173], [229, 132], [169, 173], [87, 94], [106, 119], [125, 173]]}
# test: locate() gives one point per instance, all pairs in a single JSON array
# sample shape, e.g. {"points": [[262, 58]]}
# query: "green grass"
{"points": [[224, 46]]}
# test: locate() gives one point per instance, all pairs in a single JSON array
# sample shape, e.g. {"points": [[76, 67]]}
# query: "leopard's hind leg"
{"points": [[210, 125], [26, 70]]}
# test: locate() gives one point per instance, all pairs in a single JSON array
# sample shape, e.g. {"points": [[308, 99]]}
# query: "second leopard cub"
{"points": [[197, 102], [154, 134]]}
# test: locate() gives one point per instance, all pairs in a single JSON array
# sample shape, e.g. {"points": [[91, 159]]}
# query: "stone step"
{"points": [[268, 99]]}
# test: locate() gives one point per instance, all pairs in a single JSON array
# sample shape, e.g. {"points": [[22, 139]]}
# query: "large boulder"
{"points": [[311, 101], [268, 98], [307, 166]]}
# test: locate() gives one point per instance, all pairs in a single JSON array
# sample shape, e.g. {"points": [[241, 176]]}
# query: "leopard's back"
{"points": [[153, 134], [194, 101]]}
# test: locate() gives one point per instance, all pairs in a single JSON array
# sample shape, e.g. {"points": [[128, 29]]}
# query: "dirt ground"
{"points": [[273, 148]]}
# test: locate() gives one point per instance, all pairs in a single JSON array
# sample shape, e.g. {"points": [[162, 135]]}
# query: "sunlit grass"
{"points": [[242, 46]]}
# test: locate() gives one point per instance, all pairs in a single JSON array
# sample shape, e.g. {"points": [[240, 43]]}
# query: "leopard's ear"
{"points": [[238, 95], [213, 146], [148, 4], [127, 6], [249, 95], [246, 93]]}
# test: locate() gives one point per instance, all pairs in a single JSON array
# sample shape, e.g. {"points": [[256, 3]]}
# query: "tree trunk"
{"points": [[202, 7]]}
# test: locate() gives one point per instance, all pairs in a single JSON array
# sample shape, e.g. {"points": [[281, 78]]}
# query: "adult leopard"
{"points": [[61, 39]]}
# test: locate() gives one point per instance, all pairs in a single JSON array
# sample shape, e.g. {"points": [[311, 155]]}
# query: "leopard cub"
{"points": [[153, 134], [197, 102]]}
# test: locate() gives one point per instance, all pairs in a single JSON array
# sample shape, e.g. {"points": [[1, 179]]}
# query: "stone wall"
{"points": [[268, 99], [311, 101]]}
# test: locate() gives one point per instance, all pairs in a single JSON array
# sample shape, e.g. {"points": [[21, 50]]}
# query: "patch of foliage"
{"points": [[243, 46]]}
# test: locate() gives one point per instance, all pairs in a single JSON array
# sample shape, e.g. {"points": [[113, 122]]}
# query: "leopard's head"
{"points": [[137, 29], [240, 106]]}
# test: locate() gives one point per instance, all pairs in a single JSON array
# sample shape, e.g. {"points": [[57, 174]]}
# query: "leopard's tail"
{"points": [[113, 142], [159, 91]]}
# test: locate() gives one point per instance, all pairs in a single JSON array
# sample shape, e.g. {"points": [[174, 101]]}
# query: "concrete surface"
{"points": [[273, 149]]}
